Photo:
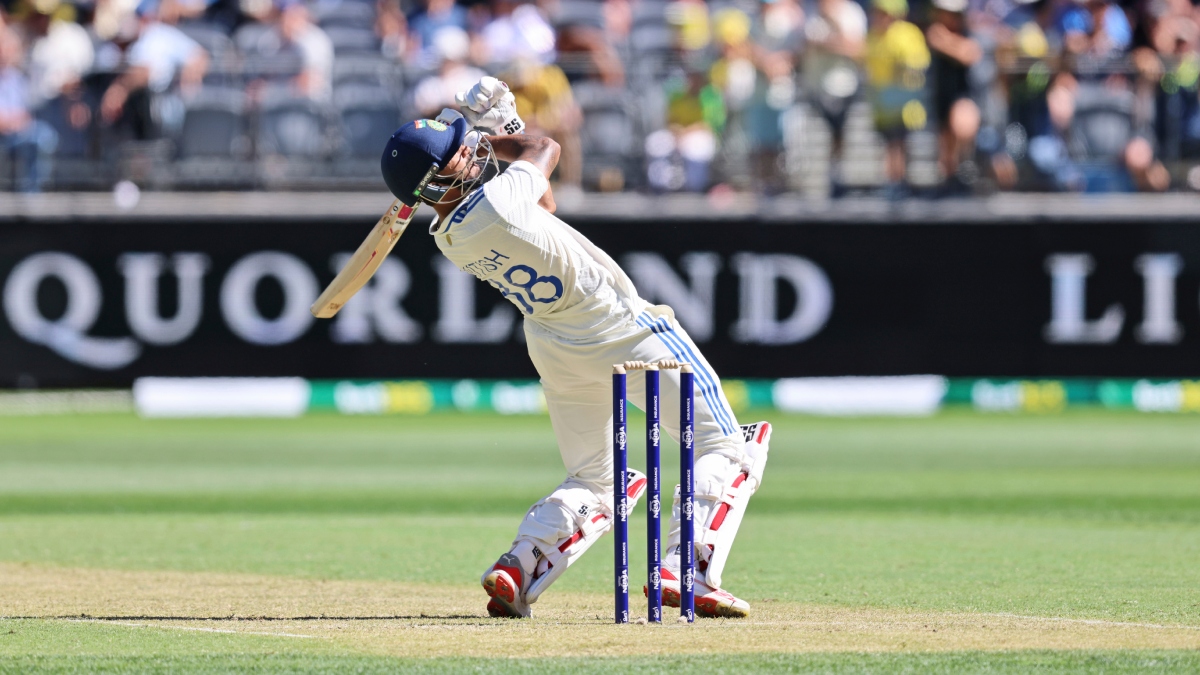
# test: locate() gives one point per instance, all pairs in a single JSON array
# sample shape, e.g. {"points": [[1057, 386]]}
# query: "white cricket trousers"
{"points": [[577, 380]]}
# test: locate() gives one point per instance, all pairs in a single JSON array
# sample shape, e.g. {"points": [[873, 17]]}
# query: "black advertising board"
{"points": [[101, 303]]}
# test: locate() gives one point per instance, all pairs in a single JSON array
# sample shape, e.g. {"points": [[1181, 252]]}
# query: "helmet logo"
{"points": [[432, 124]]}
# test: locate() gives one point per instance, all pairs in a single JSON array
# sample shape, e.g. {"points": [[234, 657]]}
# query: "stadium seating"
{"points": [[350, 14], [214, 143], [352, 40], [610, 137], [368, 115]]}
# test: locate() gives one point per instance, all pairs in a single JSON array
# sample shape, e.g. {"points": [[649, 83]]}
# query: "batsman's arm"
{"points": [[539, 151]]}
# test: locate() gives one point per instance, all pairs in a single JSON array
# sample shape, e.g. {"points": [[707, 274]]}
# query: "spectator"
{"points": [[517, 31], [297, 29], [690, 19], [544, 98], [425, 23], [835, 41], [777, 36], [779, 31], [224, 14], [681, 155], [186, 10], [897, 58], [436, 91], [1176, 39], [618, 21], [258, 11], [953, 53], [110, 17], [1095, 28], [60, 52], [588, 51], [1061, 150], [1030, 47], [28, 141], [160, 55], [735, 75], [392, 28], [1035, 30]]}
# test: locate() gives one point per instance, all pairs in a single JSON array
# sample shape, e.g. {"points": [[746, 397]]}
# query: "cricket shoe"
{"points": [[506, 584], [709, 602]]}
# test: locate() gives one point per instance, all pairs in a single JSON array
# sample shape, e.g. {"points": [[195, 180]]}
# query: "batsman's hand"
{"points": [[490, 105]]}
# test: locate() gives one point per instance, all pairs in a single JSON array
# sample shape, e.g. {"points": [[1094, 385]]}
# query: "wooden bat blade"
{"points": [[365, 261]]}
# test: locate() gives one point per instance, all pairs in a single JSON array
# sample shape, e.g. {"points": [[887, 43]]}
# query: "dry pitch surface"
{"points": [[395, 619]]}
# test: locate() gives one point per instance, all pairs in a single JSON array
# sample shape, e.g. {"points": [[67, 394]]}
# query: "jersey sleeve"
{"points": [[521, 185]]}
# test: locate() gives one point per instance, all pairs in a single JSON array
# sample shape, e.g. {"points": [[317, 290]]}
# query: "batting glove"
{"points": [[448, 116], [490, 105]]}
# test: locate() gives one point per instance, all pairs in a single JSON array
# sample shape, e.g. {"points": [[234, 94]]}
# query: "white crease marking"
{"points": [[198, 629], [1089, 622]]}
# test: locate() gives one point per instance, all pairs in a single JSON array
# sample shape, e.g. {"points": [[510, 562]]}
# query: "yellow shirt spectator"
{"points": [[897, 54], [543, 94]]}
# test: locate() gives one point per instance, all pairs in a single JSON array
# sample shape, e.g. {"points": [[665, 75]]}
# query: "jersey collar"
{"points": [[436, 224]]}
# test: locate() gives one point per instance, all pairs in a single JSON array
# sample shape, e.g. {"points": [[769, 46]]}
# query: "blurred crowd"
{"points": [[938, 97]]}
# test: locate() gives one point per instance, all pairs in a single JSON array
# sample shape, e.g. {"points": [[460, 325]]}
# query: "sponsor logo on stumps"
{"points": [[623, 507]]}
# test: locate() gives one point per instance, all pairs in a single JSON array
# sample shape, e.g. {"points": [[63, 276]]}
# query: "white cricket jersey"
{"points": [[555, 277]]}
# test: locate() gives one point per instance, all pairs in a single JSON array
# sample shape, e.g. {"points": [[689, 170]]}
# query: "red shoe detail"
{"points": [[635, 490], [670, 597], [507, 586]]}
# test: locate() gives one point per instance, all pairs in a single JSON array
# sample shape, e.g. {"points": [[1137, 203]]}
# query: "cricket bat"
{"points": [[365, 261]]}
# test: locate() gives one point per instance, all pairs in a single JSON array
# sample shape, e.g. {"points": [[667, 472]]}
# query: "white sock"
{"points": [[528, 554]]}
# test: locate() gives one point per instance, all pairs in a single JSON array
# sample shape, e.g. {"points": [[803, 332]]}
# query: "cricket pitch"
{"points": [[395, 619]]}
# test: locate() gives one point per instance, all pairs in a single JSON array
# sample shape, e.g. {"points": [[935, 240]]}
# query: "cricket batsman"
{"points": [[582, 315]]}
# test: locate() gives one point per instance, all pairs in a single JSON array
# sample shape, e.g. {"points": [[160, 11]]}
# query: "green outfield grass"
{"points": [[1065, 543]]}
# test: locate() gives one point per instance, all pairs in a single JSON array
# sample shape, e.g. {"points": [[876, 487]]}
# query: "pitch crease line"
{"points": [[1090, 622], [199, 629]]}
